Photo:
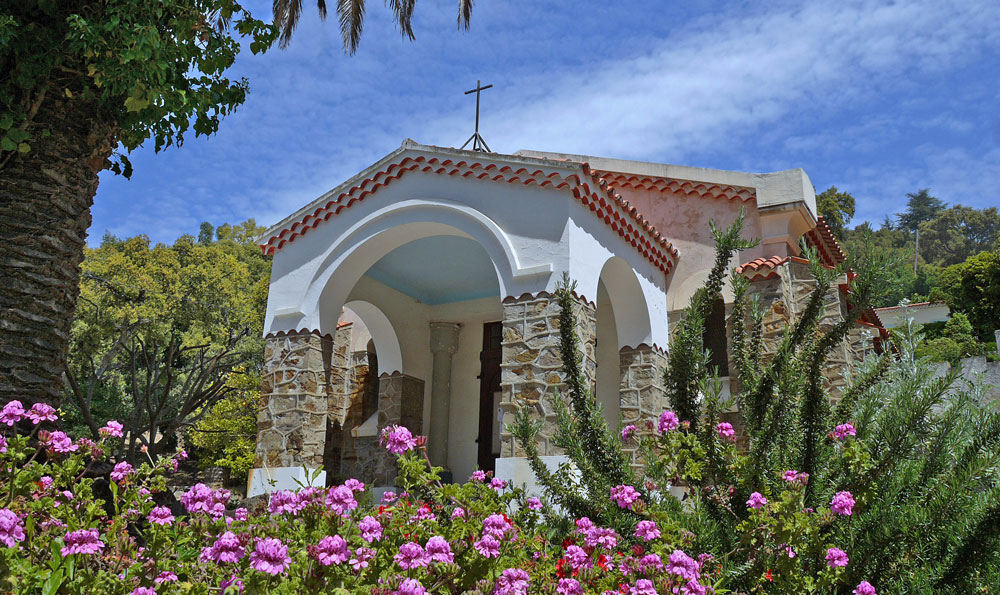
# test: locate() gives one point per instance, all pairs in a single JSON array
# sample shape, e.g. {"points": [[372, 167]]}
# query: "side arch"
{"points": [[383, 335], [631, 311]]}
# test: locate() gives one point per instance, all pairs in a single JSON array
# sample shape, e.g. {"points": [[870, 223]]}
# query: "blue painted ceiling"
{"points": [[438, 270]]}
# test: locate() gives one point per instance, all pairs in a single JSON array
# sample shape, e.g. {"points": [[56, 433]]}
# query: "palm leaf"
{"points": [[464, 12], [352, 20]]}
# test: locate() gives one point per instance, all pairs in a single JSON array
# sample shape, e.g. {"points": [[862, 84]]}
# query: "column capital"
{"points": [[444, 337]]}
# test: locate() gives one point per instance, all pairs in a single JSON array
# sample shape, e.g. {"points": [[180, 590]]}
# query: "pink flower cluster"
{"points": [[756, 501], [57, 442], [625, 496], [842, 431], [668, 422], [201, 498], [398, 439], [726, 431], [793, 476], [84, 541], [842, 504], [11, 528]]}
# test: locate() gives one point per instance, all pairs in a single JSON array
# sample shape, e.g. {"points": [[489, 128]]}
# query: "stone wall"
{"points": [[785, 297], [291, 420], [642, 393], [531, 365], [400, 402]]}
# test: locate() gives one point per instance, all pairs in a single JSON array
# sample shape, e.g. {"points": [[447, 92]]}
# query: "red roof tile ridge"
{"points": [[601, 199]]}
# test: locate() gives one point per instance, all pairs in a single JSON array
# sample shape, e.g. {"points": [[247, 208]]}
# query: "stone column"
{"points": [[444, 344], [400, 402], [291, 422], [532, 366], [642, 391]]}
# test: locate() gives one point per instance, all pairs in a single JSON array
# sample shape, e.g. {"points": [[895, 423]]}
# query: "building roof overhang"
{"points": [[576, 178]]}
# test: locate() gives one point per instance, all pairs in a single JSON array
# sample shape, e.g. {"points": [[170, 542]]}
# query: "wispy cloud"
{"points": [[832, 87]]}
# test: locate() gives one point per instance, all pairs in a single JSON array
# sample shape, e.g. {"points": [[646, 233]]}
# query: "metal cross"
{"points": [[478, 143]]}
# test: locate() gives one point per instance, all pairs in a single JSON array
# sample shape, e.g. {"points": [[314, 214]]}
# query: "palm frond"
{"points": [[286, 17], [403, 10], [464, 12], [352, 22]]}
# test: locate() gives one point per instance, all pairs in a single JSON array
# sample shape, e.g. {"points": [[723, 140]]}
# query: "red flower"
{"points": [[768, 576]]}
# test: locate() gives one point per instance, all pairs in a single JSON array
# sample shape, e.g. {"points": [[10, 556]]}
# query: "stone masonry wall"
{"points": [[400, 402], [642, 393], [531, 365], [291, 421], [784, 299]]}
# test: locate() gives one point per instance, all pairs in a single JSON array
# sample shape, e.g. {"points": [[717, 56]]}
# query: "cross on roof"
{"points": [[478, 143]]}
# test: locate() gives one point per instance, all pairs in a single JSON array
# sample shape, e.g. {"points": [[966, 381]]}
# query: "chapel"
{"points": [[420, 292]]}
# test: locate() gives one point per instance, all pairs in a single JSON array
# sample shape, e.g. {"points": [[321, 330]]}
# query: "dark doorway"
{"points": [[489, 396], [715, 340]]}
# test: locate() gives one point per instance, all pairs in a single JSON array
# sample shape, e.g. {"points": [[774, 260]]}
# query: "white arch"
{"points": [[628, 303], [381, 231], [390, 356]]}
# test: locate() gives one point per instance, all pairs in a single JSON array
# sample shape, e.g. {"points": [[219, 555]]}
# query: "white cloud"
{"points": [[723, 80]]}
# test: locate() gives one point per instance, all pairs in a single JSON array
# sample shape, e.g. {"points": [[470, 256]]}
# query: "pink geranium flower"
{"points": [[647, 530], [112, 429], [84, 541], [668, 422], [40, 412], [512, 581], [864, 588], [398, 439], [842, 431], [756, 501], [331, 550], [121, 471], [371, 529], [11, 529], [227, 549], [160, 515], [836, 557], [625, 496], [270, 556], [842, 504], [12, 413], [58, 442], [411, 555], [726, 431]]}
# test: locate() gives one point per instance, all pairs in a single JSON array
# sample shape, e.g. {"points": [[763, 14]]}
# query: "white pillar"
{"points": [[444, 344]]}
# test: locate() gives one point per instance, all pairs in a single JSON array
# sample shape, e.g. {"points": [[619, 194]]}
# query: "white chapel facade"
{"points": [[420, 292]]}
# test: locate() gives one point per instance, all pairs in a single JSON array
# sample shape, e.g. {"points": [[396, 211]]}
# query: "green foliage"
{"points": [[922, 469], [973, 287], [959, 233], [920, 207], [583, 432], [956, 341], [163, 332], [837, 208], [151, 69], [685, 372], [227, 435]]}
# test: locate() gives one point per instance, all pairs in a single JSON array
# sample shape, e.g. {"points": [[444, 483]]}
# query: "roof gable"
{"points": [[576, 178]]}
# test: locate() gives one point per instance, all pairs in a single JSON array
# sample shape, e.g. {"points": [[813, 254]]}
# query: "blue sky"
{"points": [[876, 98]]}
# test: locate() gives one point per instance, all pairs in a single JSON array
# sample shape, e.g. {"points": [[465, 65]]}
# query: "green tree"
{"points": [[161, 331], [84, 81], [958, 233], [920, 207], [973, 288], [955, 342], [206, 233], [837, 208]]}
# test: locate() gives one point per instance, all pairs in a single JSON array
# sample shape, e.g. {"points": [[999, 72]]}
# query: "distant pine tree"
{"points": [[921, 207]]}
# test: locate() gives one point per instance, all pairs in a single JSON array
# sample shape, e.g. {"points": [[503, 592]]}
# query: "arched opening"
{"points": [[425, 292], [622, 320]]}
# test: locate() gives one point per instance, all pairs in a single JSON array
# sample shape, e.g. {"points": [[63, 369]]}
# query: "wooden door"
{"points": [[489, 396]]}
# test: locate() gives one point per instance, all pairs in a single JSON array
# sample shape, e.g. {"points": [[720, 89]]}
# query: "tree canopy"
{"points": [[161, 330], [837, 208], [920, 207]]}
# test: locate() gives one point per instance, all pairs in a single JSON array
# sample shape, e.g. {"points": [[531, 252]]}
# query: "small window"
{"points": [[714, 338]]}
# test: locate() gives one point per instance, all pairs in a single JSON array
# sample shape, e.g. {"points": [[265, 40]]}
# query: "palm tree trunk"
{"points": [[45, 200]]}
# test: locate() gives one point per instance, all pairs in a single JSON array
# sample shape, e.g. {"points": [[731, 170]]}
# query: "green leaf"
{"points": [[7, 144], [23, 148], [52, 584], [6, 121]]}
